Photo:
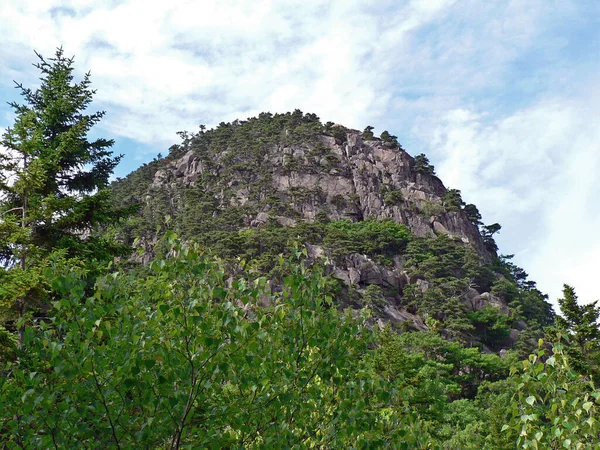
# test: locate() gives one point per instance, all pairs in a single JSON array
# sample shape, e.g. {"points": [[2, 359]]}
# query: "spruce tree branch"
{"points": [[18, 208]]}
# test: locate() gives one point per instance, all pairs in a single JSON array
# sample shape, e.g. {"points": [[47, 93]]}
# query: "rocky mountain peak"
{"points": [[345, 177], [396, 238]]}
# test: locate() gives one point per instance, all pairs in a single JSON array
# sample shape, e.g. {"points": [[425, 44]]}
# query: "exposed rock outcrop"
{"points": [[346, 179], [337, 176]]}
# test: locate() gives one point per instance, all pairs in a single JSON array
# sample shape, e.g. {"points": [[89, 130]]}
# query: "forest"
{"points": [[159, 311]]}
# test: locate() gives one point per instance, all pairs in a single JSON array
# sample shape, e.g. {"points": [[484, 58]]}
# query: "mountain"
{"points": [[397, 240], [296, 285]]}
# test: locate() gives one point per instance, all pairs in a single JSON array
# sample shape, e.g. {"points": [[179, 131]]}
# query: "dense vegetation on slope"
{"points": [[243, 333], [237, 159]]}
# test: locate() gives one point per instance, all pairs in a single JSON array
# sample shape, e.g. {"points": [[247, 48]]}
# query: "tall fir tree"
{"points": [[580, 325], [52, 185]]}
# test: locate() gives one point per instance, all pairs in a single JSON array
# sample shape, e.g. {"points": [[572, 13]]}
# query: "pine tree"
{"points": [[453, 200], [487, 233], [422, 165], [52, 185], [473, 214], [368, 133]]}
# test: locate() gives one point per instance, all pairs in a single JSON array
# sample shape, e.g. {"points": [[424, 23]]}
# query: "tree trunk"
{"points": [[22, 301]]}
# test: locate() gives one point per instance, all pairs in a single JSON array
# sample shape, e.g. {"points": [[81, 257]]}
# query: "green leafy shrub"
{"points": [[492, 326], [432, 209], [373, 296], [379, 239], [393, 197], [437, 381], [450, 270], [8, 346], [183, 358], [553, 406], [389, 139]]}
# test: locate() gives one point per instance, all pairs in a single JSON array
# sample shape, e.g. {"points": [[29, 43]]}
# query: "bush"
{"points": [[389, 139], [432, 209], [553, 406], [393, 198], [491, 325], [184, 358], [378, 239]]}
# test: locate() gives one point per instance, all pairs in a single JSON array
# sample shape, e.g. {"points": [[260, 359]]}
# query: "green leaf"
{"points": [[27, 393]]}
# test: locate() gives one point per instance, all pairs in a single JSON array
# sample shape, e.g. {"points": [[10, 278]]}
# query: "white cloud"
{"points": [[176, 64], [534, 171]]}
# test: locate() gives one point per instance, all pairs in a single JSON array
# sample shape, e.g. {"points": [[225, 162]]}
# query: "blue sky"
{"points": [[503, 96]]}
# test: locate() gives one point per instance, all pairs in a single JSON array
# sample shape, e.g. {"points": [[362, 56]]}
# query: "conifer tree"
{"points": [[52, 184], [422, 165], [580, 324]]}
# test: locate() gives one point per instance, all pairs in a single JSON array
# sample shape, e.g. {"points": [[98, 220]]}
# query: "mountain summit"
{"points": [[397, 239]]}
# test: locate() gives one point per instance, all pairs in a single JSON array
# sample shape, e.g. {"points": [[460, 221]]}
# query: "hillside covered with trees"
{"points": [[276, 282]]}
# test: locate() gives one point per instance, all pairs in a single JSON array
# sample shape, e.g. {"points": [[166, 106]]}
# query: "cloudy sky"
{"points": [[503, 96]]}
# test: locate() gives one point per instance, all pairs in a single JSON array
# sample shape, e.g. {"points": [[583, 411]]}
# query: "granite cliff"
{"points": [[236, 187]]}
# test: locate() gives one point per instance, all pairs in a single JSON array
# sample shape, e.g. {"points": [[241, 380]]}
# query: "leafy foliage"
{"points": [[521, 294], [380, 239], [579, 327], [492, 326], [553, 406], [180, 359], [487, 233], [450, 270], [185, 357], [453, 200], [473, 214], [391, 196]]}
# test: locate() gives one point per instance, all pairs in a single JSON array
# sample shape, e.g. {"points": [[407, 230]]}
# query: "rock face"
{"points": [[346, 179], [340, 175]]}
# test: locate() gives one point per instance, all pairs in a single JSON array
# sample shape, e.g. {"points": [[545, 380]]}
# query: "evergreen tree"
{"points": [[487, 233], [580, 324], [453, 200], [422, 165], [52, 185], [368, 133], [473, 214], [389, 138]]}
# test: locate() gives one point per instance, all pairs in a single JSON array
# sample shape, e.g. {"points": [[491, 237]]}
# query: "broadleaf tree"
{"points": [[185, 358]]}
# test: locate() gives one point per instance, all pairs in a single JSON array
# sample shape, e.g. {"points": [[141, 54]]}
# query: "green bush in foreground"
{"points": [[553, 407], [185, 358]]}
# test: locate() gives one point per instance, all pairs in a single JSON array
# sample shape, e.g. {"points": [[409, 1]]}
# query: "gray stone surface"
{"points": [[354, 171]]}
